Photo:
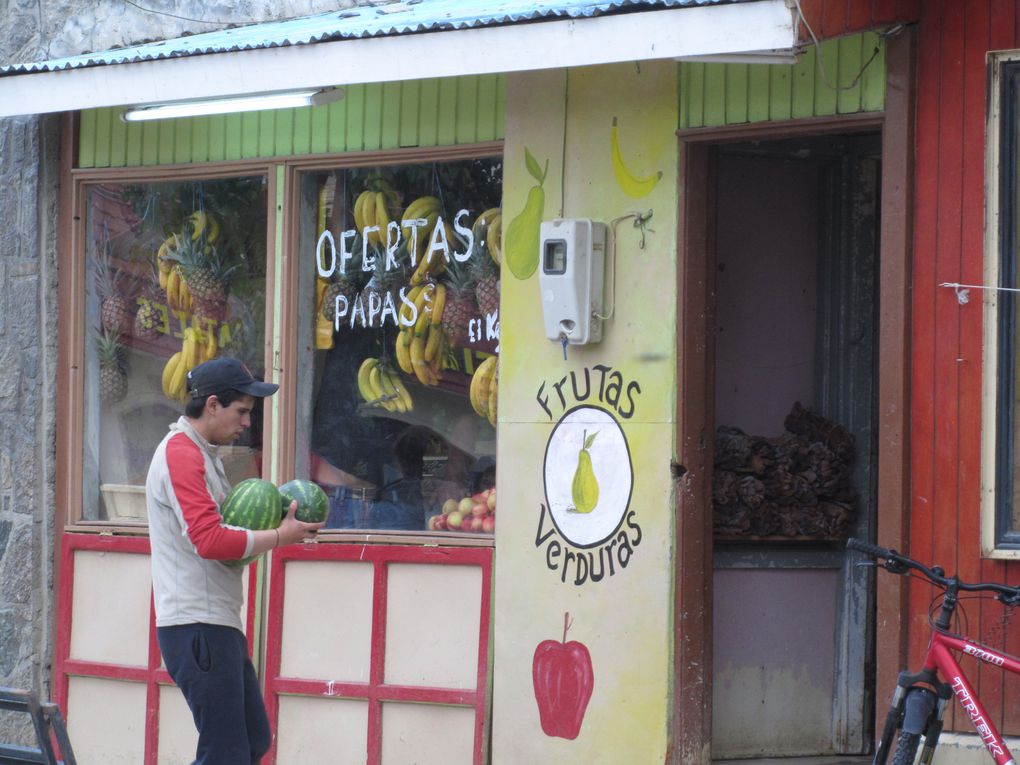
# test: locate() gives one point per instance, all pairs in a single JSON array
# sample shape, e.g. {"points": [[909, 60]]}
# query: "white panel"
{"points": [[426, 734], [327, 621], [322, 731], [651, 35], [433, 617], [106, 721], [110, 613], [178, 737]]}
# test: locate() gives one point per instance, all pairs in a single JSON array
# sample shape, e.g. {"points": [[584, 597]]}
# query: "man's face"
{"points": [[228, 423]]}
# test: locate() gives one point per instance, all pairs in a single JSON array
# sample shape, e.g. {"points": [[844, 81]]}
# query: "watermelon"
{"points": [[253, 504], [313, 505]]}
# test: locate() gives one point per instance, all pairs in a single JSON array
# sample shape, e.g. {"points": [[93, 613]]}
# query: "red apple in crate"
{"points": [[479, 509], [488, 524], [563, 678], [476, 523]]}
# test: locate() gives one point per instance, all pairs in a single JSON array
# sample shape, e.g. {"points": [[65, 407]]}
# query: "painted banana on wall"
{"points": [[632, 185]]}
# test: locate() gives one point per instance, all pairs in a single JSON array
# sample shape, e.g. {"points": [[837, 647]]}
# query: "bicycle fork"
{"points": [[915, 709]]}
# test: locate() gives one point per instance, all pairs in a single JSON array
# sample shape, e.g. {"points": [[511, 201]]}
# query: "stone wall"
{"points": [[29, 312]]}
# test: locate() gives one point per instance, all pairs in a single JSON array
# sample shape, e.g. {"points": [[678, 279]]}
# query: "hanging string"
{"points": [[963, 290]]}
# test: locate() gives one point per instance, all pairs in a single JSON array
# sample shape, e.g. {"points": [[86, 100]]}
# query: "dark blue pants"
{"points": [[210, 665]]}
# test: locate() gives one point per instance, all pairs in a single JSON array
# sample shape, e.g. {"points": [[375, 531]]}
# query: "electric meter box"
{"points": [[571, 277]]}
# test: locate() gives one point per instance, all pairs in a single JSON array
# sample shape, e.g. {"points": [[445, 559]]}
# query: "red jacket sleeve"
{"points": [[202, 520]]}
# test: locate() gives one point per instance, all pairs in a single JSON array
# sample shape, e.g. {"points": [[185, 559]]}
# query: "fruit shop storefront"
{"points": [[411, 258]]}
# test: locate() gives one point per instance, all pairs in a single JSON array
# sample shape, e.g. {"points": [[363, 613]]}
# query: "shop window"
{"points": [[1001, 513], [175, 273], [399, 315]]}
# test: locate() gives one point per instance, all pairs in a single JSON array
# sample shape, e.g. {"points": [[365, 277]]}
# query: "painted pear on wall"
{"points": [[521, 238], [585, 488]]}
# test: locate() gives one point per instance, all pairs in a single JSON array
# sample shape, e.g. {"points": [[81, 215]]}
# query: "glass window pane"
{"points": [[399, 311], [175, 274]]}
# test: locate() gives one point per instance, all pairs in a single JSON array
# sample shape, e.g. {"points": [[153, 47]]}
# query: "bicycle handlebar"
{"points": [[900, 564]]}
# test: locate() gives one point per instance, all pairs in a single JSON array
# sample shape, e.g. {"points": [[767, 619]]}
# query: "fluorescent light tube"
{"points": [[788, 57], [249, 103]]}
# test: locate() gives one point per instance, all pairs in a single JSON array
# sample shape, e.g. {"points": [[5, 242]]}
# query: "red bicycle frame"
{"points": [[941, 661]]}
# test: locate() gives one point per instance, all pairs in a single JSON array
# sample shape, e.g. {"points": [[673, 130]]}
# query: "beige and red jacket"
{"points": [[183, 492]]}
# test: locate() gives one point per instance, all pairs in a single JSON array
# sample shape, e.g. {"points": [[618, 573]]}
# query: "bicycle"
{"points": [[920, 699]]}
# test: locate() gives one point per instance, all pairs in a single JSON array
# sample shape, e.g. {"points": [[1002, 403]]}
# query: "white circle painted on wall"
{"points": [[588, 476]]}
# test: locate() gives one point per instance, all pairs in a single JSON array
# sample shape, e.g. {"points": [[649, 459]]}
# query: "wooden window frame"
{"points": [[1000, 538]]}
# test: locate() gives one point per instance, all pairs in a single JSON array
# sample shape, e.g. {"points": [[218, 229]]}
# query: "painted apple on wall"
{"points": [[563, 678]]}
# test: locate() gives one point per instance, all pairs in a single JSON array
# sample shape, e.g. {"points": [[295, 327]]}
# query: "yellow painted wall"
{"points": [[623, 620]]}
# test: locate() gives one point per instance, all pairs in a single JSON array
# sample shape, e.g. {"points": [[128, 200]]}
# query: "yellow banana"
{"points": [[173, 282], [178, 382], [438, 304], [382, 218], [406, 317], [433, 342], [403, 392], [403, 350], [632, 185], [198, 220], [375, 385], [480, 383], [168, 374], [363, 374], [494, 239], [359, 207], [418, 363], [390, 398], [421, 327], [368, 216], [493, 397], [214, 229], [211, 346], [419, 208], [434, 368]]}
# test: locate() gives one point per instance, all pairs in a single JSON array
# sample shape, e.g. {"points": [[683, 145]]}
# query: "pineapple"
{"points": [[148, 322], [486, 274], [461, 304], [203, 269], [115, 309], [113, 382]]}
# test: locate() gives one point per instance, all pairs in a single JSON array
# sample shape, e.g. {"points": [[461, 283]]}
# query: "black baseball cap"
{"points": [[223, 374]]}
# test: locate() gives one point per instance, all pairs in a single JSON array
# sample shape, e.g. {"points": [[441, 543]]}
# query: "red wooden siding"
{"points": [[833, 18], [954, 36]]}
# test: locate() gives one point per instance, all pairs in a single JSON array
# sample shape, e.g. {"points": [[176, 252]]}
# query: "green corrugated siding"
{"points": [[712, 95], [438, 112]]}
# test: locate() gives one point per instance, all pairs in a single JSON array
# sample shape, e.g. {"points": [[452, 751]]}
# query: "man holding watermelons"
{"points": [[196, 590]]}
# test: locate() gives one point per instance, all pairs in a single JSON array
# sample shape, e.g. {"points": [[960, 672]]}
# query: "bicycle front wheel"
{"points": [[906, 748]]}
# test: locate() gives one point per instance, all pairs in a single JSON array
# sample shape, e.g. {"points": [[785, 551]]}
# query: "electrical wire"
{"points": [[818, 52], [189, 18]]}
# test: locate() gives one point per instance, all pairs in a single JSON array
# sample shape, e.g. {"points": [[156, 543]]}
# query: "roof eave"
{"points": [[640, 36]]}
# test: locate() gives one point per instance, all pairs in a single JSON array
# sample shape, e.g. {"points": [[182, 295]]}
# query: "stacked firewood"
{"points": [[797, 485]]}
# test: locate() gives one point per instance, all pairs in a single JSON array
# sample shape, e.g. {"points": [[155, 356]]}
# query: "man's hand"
{"points": [[292, 530]]}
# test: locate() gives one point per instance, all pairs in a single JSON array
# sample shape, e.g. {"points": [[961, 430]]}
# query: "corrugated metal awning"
{"points": [[407, 40]]}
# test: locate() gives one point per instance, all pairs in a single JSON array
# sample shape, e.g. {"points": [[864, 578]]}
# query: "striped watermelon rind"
{"points": [[313, 504], [253, 504]]}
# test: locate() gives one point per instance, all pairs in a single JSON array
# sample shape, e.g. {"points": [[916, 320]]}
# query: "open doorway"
{"points": [[794, 263]]}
